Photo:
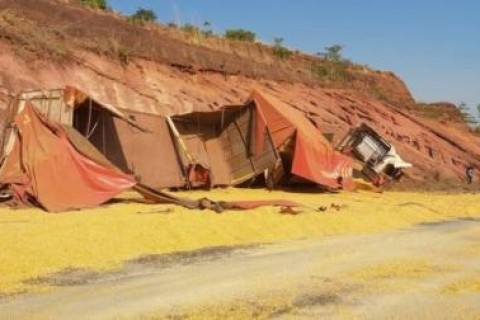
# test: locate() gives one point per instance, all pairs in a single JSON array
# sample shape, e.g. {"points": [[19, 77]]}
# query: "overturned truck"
{"points": [[232, 145], [379, 160]]}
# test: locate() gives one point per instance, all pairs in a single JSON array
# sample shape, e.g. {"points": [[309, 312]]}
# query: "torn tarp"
{"points": [[42, 167], [312, 157]]}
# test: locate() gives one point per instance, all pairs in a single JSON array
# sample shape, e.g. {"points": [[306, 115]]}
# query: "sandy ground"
{"points": [[430, 271]]}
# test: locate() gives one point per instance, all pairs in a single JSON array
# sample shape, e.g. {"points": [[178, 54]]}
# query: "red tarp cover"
{"points": [[314, 158], [43, 166]]}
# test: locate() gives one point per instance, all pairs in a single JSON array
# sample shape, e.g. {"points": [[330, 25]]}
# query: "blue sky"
{"points": [[434, 46]]}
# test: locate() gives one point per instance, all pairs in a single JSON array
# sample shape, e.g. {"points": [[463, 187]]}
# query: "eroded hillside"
{"points": [[48, 43]]}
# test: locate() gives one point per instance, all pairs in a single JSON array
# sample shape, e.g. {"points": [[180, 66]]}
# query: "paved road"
{"points": [[429, 271]]}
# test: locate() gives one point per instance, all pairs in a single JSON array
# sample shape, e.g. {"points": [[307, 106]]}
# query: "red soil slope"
{"points": [[174, 75]]}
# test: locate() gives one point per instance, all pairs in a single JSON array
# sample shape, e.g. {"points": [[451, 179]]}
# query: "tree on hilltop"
{"points": [[466, 115], [333, 53], [143, 15], [240, 35], [96, 4]]}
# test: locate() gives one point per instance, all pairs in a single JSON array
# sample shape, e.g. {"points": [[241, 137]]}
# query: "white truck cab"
{"points": [[379, 159]]}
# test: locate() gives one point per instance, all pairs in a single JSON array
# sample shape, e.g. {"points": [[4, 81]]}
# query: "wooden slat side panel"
{"points": [[50, 103], [243, 165]]}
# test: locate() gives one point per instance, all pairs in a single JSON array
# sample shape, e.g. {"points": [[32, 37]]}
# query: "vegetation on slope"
{"points": [[334, 67], [240, 35], [96, 4], [30, 39], [142, 16], [198, 48], [328, 68]]}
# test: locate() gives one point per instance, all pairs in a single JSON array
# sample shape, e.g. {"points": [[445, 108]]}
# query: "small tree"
{"points": [[466, 115], [332, 53], [240, 35], [96, 4], [335, 67], [143, 15], [279, 50], [190, 28], [207, 29]]}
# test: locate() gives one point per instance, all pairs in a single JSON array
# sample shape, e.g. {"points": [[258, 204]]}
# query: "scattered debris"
{"points": [[289, 210], [164, 211], [338, 207], [332, 206]]}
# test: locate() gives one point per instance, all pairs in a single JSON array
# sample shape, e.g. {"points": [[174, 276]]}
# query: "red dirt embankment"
{"points": [[45, 44]]}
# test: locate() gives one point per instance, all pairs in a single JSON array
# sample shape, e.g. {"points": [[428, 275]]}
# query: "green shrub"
{"points": [[334, 67], [321, 71], [124, 55], [378, 93], [240, 35], [282, 52], [96, 4], [189, 28], [143, 15], [279, 50], [332, 71]]}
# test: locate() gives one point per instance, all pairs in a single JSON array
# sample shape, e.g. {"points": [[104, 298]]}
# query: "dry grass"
{"points": [[34, 244], [28, 38]]}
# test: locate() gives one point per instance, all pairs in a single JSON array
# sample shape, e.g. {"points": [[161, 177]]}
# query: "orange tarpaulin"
{"points": [[314, 159], [44, 168]]}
